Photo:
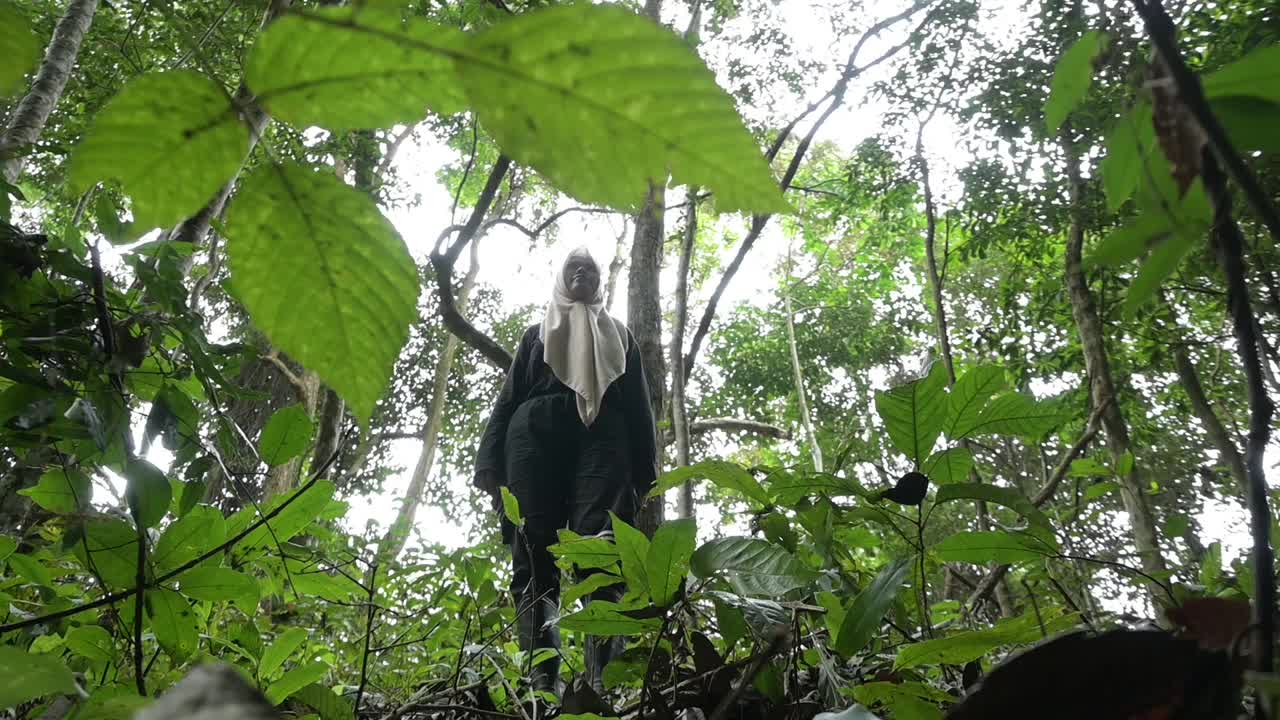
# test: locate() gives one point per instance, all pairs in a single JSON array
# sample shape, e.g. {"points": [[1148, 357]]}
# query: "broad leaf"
{"points": [[20, 48], [1018, 415], [300, 513], [61, 490], [287, 434], [1255, 75], [751, 566], [298, 238], [355, 67], [173, 622], [969, 396], [962, 647], [1129, 144], [93, 642], [1164, 259], [667, 561], [788, 488], [604, 102], [511, 507], [279, 651], [334, 588], [1128, 242], [606, 618], [1250, 123], [590, 584], [949, 466], [217, 584], [7, 546], [1007, 497], [863, 618], [586, 553], [294, 680], [760, 616], [633, 548], [148, 492], [172, 139], [184, 539], [981, 547], [109, 549], [727, 475], [327, 703], [31, 570], [26, 677], [914, 413], [1071, 79]]}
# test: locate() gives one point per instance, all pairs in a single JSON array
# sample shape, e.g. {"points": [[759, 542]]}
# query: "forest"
{"points": [[960, 323]]}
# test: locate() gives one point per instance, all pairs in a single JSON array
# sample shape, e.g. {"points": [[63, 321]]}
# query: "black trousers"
{"points": [[564, 475]]}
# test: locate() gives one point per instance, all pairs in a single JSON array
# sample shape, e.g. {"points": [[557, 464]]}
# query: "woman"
{"points": [[572, 437]]}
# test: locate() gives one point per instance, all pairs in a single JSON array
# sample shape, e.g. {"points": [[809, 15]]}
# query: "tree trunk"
{"points": [[615, 269], [1102, 389], [679, 419], [644, 316], [28, 120], [797, 372]]}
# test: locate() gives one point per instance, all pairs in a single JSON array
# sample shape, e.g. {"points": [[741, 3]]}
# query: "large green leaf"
{"points": [[1071, 79], [217, 584], [334, 588], [1128, 242], [172, 139], [279, 651], [61, 490], [31, 569], [286, 435], [300, 513], [980, 547], [1128, 145], [667, 561], [633, 548], [1007, 497], [19, 47], [862, 619], [604, 102], [969, 396], [93, 642], [325, 276], [1163, 261], [200, 530], [590, 584], [914, 412], [511, 507], [761, 617], [295, 680], [606, 618], [327, 703], [727, 475], [173, 622], [109, 548], [1250, 123], [948, 466], [788, 487], [26, 677], [148, 492], [355, 67], [751, 566], [7, 546], [586, 553], [1018, 415], [963, 647], [1255, 75]]}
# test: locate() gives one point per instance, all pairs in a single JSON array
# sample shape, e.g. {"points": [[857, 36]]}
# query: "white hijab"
{"points": [[582, 344]]}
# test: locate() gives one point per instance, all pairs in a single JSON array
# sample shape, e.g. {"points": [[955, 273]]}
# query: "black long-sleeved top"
{"points": [[530, 376]]}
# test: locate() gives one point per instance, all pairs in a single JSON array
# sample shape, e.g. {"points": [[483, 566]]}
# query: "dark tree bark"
{"points": [[644, 316]]}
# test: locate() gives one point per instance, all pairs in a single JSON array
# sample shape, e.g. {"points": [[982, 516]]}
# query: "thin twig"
{"points": [[368, 636]]}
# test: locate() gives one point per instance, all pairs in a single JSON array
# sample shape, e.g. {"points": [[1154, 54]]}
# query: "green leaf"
{"points": [[31, 570], [1163, 261], [292, 520], [1250, 123], [969, 396], [889, 693], [61, 490], [1255, 75], [667, 561], [587, 553], [834, 616], [1129, 242], [914, 413], [335, 588], [294, 680], [760, 616], [355, 67], [511, 508], [148, 492], [26, 677], [109, 548], [7, 546], [863, 618], [217, 584], [788, 488], [1211, 566], [184, 539], [329, 704], [20, 48], [173, 622], [727, 475], [963, 647], [607, 619], [1124, 465], [590, 584], [751, 566], [1018, 415], [604, 102], [1088, 467], [949, 466], [287, 434], [1129, 144], [633, 548], [1071, 79], [980, 547], [1006, 497], [298, 238], [172, 139], [279, 651], [93, 642]]}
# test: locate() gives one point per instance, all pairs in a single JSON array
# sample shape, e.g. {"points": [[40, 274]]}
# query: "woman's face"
{"points": [[582, 278]]}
